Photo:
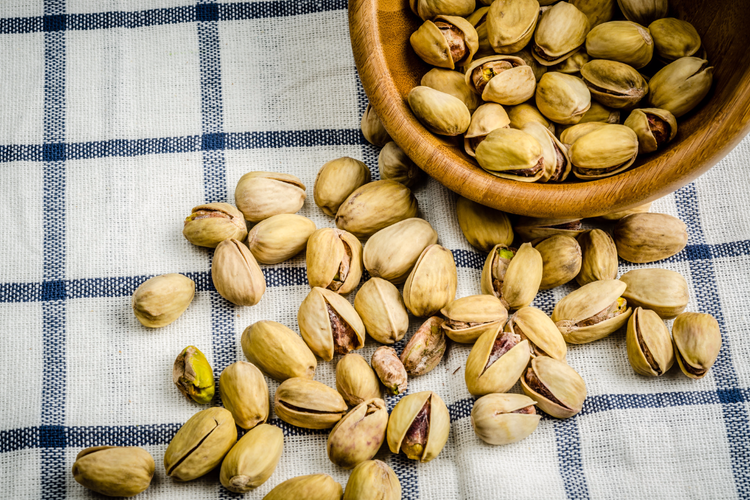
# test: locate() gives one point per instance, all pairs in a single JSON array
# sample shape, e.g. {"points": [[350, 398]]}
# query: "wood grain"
{"points": [[389, 69]]}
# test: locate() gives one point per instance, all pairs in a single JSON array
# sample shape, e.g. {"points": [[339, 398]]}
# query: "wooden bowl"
{"points": [[389, 69]]}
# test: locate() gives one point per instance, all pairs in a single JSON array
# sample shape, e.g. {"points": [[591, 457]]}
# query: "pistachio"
{"points": [[674, 38], [561, 32], [496, 361], [193, 375], [439, 112], [562, 98], [419, 426], [643, 238], [503, 79], [374, 206], [644, 11], [621, 41], [309, 404], [467, 318], [425, 348], [329, 324], [373, 129], [495, 267], [640, 209], [357, 437], [554, 154], [392, 252], [200, 444], [532, 229], [511, 24], [382, 310], [614, 84], [664, 292], [598, 11], [279, 238], [428, 9], [114, 471], [445, 41], [355, 380], [334, 260], [311, 487], [524, 113], [259, 195], [561, 260], [504, 418], [236, 274], [573, 64], [372, 480], [278, 351], [160, 300], [210, 224], [697, 342], [681, 86], [522, 278], [395, 165], [557, 388], [530, 323], [453, 83], [253, 459], [483, 227], [654, 128], [512, 154], [244, 393], [336, 180], [599, 257], [390, 370], [484, 120], [432, 283], [650, 350], [569, 135], [606, 151]]}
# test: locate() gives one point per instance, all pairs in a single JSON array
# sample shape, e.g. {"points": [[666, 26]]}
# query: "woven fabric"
{"points": [[118, 116]]}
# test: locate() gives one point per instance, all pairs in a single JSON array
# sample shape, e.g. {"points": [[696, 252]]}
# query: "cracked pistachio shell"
{"points": [[573, 64], [654, 128], [279, 238], [561, 31], [425, 348], [336, 180], [621, 41], [392, 252], [483, 227], [355, 380], [661, 290], [334, 260], [511, 24], [439, 112], [244, 393], [650, 350], [503, 373], [357, 437], [674, 38], [432, 283], [680, 86], [372, 128], [390, 370], [643, 238], [523, 277], [193, 376], [509, 153], [311, 487], [236, 274], [507, 79], [160, 300], [253, 459], [614, 84], [532, 228], [429, 9], [562, 98], [554, 153], [697, 341], [200, 444], [524, 113], [561, 260], [537, 68], [599, 257], [114, 471], [325, 335], [453, 83], [544, 338], [382, 310], [395, 165], [278, 351], [404, 414], [598, 11], [210, 224], [470, 317], [259, 195], [644, 11], [495, 422], [375, 206], [372, 480], [604, 152], [486, 279], [485, 119], [565, 384], [585, 303], [308, 404], [432, 46], [640, 209]]}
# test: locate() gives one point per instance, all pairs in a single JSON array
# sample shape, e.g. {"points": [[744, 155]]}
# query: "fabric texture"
{"points": [[118, 116]]}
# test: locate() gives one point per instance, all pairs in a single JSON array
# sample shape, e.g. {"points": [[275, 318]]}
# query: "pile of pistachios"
{"points": [[537, 87]]}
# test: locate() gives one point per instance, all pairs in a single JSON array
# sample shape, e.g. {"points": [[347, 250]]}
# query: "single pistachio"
{"points": [[372, 480], [640, 209], [253, 459], [395, 165], [537, 68], [573, 64], [200, 444], [357, 437], [392, 252], [502, 79], [555, 155], [524, 113], [329, 324], [557, 388], [114, 471], [468, 318], [496, 362], [511, 24], [484, 120], [311, 487], [598, 11], [390, 370], [599, 257], [382, 310], [236, 274], [504, 418], [495, 267], [428, 9], [562, 98], [445, 41], [664, 292], [259, 195], [650, 350], [334, 260], [644, 238], [374, 206], [614, 84], [355, 380], [193, 376], [674, 38], [644, 11], [532, 229], [419, 426], [453, 83], [681, 85], [372, 128], [279, 238], [604, 152], [561, 260], [621, 41], [439, 112], [308, 404], [336, 180], [697, 342], [425, 348], [210, 224], [278, 351], [160, 300], [522, 278], [244, 393], [432, 283], [483, 227], [560, 33], [512, 154], [532, 324], [654, 128]]}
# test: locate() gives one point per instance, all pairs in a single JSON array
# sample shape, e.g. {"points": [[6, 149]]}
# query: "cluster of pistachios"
{"points": [[513, 76]]}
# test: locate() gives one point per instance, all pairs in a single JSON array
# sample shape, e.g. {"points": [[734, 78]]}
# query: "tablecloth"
{"points": [[118, 116]]}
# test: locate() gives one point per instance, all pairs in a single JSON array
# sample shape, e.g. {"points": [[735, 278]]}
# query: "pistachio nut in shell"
{"points": [[644, 11], [561, 260], [556, 164], [334, 260], [253, 459], [650, 350], [663, 291], [311, 487], [697, 341], [640, 209], [375, 206], [210, 224], [484, 120], [511, 154], [329, 324], [511, 24], [372, 480], [524, 113], [392, 252], [643, 238], [599, 260], [654, 128], [425, 348], [236, 274], [674, 38], [598, 11], [556, 387], [432, 283], [279, 238], [395, 165], [592, 312], [160, 300], [358, 435], [569, 135], [545, 339], [561, 31], [621, 41], [445, 41], [259, 195], [278, 351], [336, 180], [604, 152], [390, 370], [439, 112], [681, 85], [502, 79], [562, 98], [614, 84], [483, 227], [381, 308], [200, 444], [532, 228], [467, 318], [372, 128], [504, 418], [193, 376], [244, 393], [114, 471], [308, 404], [522, 278], [495, 267], [419, 426], [453, 83], [496, 362], [428, 9], [355, 380]]}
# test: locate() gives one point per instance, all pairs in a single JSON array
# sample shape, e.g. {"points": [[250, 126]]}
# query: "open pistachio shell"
{"points": [[355, 380], [376, 205], [649, 344], [523, 277], [439, 112], [650, 237], [562, 98], [599, 257], [312, 487], [336, 180], [556, 387], [496, 362], [259, 195], [382, 310], [556, 162], [621, 41], [309, 404], [253, 459], [511, 154], [503, 79], [504, 418], [432, 283], [334, 260], [532, 324], [469, 317], [511, 24], [561, 31], [278, 351], [663, 291], [419, 422], [604, 152], [453, 83], [328, 323], [674, 38], [644, 11], [485, 119], [697, 342], [524, 113], [495, 267], [561, 260], [654, 128], [358, 435], [681, 86], [483, 227], [392, 252], [445, 41], [614, 84], [533, 229]]}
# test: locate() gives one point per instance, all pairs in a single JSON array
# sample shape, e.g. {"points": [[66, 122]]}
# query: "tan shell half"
{"points": [[431, 46], [599, 257], [439, 112], [487, 310], [561, 258], [503, 373], [562, 381], [544, 338], [403, 415], [358, 435], [524, 113], [484, 120], [556, 162], [523, 277]]}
